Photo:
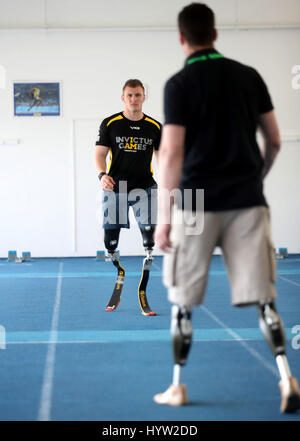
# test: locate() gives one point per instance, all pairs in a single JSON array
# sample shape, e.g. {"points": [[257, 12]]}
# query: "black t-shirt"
{"points": [[131, 145], [219, 101]]}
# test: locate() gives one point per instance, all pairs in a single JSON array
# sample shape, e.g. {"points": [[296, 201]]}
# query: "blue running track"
{"points": [[63, 357]]}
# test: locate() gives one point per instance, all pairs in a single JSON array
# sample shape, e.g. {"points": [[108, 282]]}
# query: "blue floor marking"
{"points": [[74, 274], [116, 336], [112, 274]]}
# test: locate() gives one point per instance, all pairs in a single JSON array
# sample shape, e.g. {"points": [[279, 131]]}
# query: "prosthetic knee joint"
{"points": [[181, 332], [272, 328], [111, 240]]}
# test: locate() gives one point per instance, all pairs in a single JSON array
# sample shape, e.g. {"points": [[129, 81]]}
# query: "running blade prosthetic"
{"points": [[146, 310], [116, 295]]}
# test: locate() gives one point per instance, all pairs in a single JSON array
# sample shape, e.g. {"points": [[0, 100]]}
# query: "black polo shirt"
{"points": [[219, 101], [131, 145]]}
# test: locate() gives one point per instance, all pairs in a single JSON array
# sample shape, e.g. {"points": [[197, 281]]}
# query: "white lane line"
{"points": [[243, 343], [288, 280], [46, 393], [156, 265], [73, 342]]}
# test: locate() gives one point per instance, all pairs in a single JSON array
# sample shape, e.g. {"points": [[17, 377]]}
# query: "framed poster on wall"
{"points": [[37, 99]]}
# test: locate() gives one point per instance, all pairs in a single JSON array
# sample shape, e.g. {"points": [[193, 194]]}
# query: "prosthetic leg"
{"points": [[182, 333], [273, 330], [111, 240], [148, 242]]}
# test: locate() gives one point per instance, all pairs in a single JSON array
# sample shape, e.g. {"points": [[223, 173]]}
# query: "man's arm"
{"points": [[270, 132], [100, 158], [107, 182], [171, 153]]}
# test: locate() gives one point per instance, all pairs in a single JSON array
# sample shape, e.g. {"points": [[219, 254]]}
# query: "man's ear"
{"points": [[215, 35], [181, 38]]}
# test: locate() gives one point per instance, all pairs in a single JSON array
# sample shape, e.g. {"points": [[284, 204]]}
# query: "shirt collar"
{"points": [[203, 55]]}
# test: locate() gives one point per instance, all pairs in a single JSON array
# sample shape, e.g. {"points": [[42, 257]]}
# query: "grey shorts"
{"points": [[115, 208], [248, 252]]}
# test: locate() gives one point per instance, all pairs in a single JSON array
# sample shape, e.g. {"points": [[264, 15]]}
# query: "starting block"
{"points": [[12, 256], [282, 253], [26, 256], [100, 255]]}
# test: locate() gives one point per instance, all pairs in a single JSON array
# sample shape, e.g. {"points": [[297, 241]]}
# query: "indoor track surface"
{"points": [[63, 357]]}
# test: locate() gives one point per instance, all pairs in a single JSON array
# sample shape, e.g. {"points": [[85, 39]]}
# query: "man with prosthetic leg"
{"points": [[130, 138], [213, 108]]}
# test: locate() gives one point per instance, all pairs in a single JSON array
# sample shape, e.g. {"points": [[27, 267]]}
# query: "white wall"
{"points": [[49, 193]]}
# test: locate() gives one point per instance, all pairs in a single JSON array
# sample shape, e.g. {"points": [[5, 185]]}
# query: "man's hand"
{"points": [[162, 237], [107, 182]]}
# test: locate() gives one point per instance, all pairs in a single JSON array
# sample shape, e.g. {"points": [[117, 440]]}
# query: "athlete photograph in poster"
{"points": [[36, 99]]}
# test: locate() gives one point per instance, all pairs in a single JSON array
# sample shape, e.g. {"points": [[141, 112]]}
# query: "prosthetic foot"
{"points": [[111, 239], [182, 333], [116, 295], [143, 301], [148, 242], [290, 395], [174, 396], [273, 330]]}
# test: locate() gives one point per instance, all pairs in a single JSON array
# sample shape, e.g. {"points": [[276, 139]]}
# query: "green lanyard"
{"points": [[204, 58]]}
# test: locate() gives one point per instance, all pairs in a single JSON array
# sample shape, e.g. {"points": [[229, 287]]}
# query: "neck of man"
{"points": [[189, 50], [133, 115]]}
